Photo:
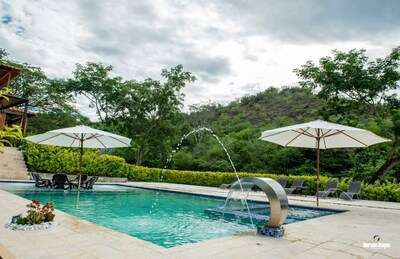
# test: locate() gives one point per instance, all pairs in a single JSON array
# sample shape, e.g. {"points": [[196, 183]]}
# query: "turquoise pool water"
{"points": [[167, 219]]}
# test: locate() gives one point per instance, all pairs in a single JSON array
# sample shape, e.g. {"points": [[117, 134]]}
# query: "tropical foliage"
{"points": [[10, 136]]}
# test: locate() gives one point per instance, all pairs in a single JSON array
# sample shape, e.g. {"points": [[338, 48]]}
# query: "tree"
{"points": [[46, 121], [393, 158], [144, 110], [200, 116], [3, 54], [359, 90], [44, 94], [95, 83]]}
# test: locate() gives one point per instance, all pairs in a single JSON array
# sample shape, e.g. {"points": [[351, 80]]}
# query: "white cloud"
{"points": [[233, 47]]}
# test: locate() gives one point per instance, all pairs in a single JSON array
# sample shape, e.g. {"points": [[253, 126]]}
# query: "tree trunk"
{"points": [[397, 176], [141, 152], [139, 156], [198, 136], [381, 172], [392, 160], [145, 142]]}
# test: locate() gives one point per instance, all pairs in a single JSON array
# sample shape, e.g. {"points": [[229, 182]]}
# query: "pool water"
{"points": [[167, 219]]}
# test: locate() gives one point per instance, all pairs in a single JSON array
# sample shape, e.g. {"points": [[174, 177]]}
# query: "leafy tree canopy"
{"points": [[358, 90], [44, 94], [94, 81], [353, 84], [145, 110]]}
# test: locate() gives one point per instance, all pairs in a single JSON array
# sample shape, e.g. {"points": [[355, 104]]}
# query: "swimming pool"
{"points": [[164, 218]]}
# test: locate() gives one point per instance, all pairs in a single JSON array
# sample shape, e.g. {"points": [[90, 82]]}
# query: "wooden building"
{"points": [[13, 109]]}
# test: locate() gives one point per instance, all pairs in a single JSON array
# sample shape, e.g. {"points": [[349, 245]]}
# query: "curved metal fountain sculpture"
{"points": [[276, 195]]}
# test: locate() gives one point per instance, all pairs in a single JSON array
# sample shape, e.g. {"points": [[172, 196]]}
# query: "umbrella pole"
{"points": [[80, 166], [318, 140]]}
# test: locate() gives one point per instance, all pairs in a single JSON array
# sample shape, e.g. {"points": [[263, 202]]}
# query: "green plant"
{"points": [[38, 213], [10, 136], [22, 221], [58, 159]]}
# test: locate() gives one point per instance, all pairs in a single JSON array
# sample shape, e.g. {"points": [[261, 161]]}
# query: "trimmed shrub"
{"points": [[51, 159], [386, 191]]}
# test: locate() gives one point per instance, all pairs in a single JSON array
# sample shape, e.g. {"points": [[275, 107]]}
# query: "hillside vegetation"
{"points": [[239, 125]]}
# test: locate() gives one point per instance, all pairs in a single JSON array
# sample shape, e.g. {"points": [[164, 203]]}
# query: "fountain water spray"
{"points": [[178, 146]]}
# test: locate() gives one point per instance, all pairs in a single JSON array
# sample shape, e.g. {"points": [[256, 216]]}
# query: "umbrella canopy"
{"points": [[321, 135], [80, 137]]}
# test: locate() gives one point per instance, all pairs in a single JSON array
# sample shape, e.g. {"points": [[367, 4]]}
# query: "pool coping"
{"points": [[319, 244]]}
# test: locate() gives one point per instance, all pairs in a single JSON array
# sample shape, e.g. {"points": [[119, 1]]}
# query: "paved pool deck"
{"points": [[344, 235]]}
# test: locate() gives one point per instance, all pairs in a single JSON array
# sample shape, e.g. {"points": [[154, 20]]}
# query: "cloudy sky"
{"points": [[233, 47]]}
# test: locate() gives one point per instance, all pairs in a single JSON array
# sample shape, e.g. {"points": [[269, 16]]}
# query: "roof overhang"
{"points": [[12, 101], [8, 73]]}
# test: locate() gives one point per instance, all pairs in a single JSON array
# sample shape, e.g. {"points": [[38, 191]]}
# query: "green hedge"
{"points": [[51, 159], [388, 191], [56, 159]]}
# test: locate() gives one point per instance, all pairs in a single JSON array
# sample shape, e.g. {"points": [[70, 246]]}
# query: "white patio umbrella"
{"points": [[80, 137], [321, 135]]}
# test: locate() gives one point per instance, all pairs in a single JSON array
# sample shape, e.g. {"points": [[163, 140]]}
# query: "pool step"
{"points": [[12, 165]]}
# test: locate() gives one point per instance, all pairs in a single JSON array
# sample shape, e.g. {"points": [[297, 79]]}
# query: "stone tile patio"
{"points": [[341, 235]]}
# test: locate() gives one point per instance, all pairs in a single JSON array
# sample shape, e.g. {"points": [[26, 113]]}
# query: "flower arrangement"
{"points": [[37, 213]]}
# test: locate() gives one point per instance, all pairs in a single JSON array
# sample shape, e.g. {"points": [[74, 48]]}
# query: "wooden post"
{"points": [[24, 121], [2, 119]]}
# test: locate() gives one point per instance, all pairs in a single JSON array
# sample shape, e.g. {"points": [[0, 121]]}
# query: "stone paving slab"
{"points": [[341, 235]]}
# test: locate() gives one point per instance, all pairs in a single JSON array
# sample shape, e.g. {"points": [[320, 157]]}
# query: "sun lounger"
{"points": [[39, 181], [296, 185], [89, 184], [353, 190], [330, 188], [282, 182], [84, 179]]}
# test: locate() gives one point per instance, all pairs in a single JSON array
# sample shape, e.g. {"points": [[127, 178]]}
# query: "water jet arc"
{"points": [[275, 193]]}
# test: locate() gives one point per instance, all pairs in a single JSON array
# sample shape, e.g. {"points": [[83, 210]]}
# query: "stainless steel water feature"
{"points": [[276, 195]]}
